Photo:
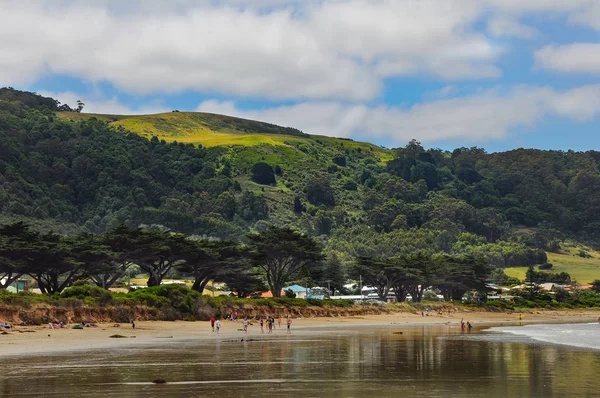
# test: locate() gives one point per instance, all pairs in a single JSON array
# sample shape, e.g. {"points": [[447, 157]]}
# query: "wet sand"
{"points": [[33, 340]]}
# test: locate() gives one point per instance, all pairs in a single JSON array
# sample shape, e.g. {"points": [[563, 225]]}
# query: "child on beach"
{"points": [[212, 323], [262, 324], [246, 325], [218, 325]]}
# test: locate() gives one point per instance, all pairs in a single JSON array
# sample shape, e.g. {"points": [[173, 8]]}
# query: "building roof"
{"points": [[295, 288]]}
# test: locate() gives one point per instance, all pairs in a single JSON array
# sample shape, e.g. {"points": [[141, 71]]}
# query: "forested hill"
{"points": [[218, 176]]}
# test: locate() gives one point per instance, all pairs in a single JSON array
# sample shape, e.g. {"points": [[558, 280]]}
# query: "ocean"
{"points": [[397, 360]]}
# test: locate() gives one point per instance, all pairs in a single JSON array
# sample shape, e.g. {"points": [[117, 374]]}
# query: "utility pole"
{"points": [[360, 286]]}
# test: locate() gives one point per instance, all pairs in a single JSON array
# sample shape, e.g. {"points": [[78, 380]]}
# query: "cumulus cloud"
{"points": [[503, 26], [570, 58], [281, 50], [482, 116], [101, 105]]}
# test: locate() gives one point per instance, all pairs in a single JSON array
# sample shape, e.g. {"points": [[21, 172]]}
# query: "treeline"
{"points": [[55, 262], [416, 273], [269, 259]]}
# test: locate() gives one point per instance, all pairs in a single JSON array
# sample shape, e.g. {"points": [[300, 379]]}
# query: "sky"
{"points": [[498, 74]]}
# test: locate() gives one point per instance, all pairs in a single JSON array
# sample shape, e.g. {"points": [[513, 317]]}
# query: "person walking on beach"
{"points": [[133, 324], [270, 322], [212, 323], [218, 325], [289, 325], [279, 321], [246, 325], [262, 325]]}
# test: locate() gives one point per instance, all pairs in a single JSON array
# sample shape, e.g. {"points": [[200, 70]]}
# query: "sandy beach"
{"points": [[33, 340]]}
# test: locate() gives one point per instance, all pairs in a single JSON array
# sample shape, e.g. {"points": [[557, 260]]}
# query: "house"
{"points": [[16, 286], [299, 291]]}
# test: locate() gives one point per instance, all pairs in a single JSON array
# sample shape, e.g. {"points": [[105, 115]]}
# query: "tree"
{"points": [[376, 272], [52, 263], [427, 271], [461, 274], [80, 106], [340, 160], [124, 244], [596, 285], [334, 273], [262, 173], [15, 239], [206, 260], [244, 281], [280, 253], [159, 252], [319, 192], [298, 206]]}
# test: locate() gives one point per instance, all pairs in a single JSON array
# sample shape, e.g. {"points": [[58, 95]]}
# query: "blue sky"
{"points": [[498, 74]]}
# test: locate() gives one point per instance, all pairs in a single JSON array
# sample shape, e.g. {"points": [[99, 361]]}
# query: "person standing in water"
{"points": [[218, 325]]}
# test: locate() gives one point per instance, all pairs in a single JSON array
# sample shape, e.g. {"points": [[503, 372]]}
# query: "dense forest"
{"points": [[357, 201]]}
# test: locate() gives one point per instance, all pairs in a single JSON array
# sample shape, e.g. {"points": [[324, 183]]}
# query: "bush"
{"points": [[164, 297], [98, 295], [545, 266], [290, 294], [262, 173]]}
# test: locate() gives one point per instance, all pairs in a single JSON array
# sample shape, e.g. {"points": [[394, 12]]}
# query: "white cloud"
{"points": [[298, 50], [519, 7], [504, 26], [589, 16], [478, 117], [570, 58], [98, 104]]}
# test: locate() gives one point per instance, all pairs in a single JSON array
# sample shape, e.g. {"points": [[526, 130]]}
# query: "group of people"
{"points": [[466, 325], [269, 321], [215, 324], [4, 325]]}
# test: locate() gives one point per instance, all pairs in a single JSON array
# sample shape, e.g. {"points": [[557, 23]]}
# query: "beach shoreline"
{"points": [[40, 340]]}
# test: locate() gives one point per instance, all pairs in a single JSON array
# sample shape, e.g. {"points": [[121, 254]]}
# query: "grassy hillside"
{"points": [[583, 270], [212, 130]]}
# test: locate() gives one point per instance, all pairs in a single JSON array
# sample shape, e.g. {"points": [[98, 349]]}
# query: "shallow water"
{"points": [[431, 361]]}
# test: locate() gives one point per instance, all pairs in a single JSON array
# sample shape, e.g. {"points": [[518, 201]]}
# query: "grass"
{"points": [[583, 270], [218, 130]]}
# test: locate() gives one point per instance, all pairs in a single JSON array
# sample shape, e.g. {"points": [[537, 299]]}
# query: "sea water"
{"points": [[586, 335], [393, 361]]}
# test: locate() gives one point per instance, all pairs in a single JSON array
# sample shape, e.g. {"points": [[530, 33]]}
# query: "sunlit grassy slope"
{"points": [[217, 130], [583, 270]]}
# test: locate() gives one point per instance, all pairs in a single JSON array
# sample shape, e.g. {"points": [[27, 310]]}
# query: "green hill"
{"points": [[220, 176]]}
